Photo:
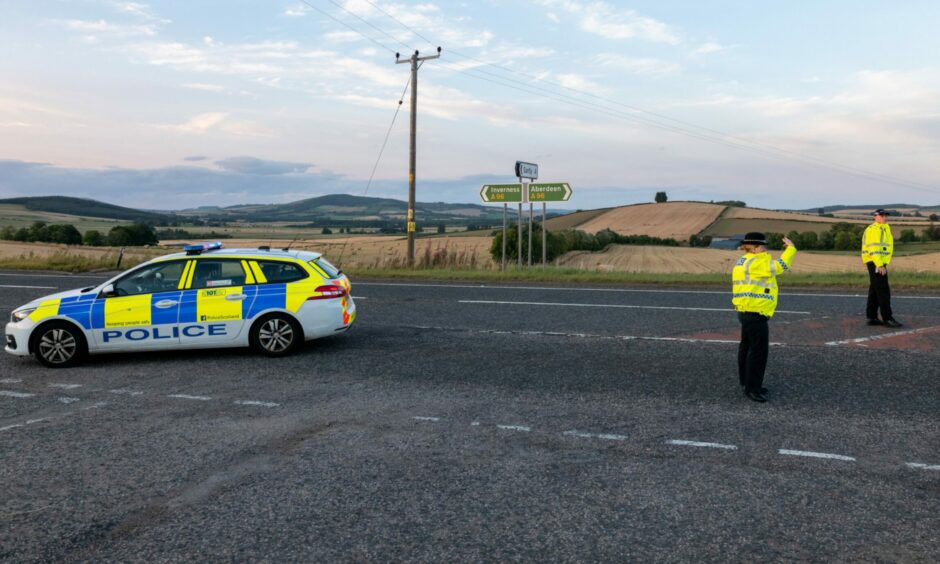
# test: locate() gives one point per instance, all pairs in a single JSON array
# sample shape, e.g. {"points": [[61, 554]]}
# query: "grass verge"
{"points": [[66, 262]]}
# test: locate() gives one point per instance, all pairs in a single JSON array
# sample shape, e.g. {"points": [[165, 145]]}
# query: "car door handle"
{"points": [[235, 297], [163, 304]]}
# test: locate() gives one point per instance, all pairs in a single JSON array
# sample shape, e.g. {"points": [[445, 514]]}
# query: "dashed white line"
{"points": [[126, 392], [921, 466], [188, 397], [257, 403], [52, 276], [65, 386], [613, 306], [522, 428], [582, 335], [604, 436], [10, 394], [423, 418], [882, 336], [14, 426], [10, 380], [67, 400], [680, 442], [31, 287], [826, 455]]}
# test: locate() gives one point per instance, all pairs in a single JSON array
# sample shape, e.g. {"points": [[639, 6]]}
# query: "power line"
{"points": [[368, 23], [351, 28]]}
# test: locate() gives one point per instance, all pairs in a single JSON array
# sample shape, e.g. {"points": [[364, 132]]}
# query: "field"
{"points": [[677, 220], [18, 216], [669, 260], [574, 220]]}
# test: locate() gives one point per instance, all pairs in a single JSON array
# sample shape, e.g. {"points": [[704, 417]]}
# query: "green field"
{"points": [[19, 216]]}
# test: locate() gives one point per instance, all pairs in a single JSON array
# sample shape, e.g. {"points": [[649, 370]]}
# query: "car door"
{"points": [[217, 296], [142, 309]]}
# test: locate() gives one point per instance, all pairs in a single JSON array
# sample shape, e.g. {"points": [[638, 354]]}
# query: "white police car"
{"points": [[207, 296]]}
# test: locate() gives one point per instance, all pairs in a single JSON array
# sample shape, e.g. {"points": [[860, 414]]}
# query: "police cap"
{"points": [[754, 238], [880, 211]]}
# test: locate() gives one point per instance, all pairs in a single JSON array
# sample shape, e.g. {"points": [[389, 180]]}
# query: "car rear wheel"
{"points": [[276, 335], [59, 344]]}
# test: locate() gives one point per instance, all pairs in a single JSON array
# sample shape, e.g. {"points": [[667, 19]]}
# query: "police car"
{"points": [[204, 297]]}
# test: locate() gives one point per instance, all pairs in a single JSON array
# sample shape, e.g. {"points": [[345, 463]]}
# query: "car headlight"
{"points": [[20, 315]]}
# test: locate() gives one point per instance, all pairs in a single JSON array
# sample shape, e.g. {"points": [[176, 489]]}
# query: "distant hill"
{"points": [[85, 208], [872, 207], [340, 208]]}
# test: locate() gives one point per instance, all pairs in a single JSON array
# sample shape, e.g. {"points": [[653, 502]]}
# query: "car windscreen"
{"points": [[327, 267]]}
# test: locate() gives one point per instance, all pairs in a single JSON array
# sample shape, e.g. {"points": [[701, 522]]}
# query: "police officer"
{"points": [[877, 248], [755, 299]]}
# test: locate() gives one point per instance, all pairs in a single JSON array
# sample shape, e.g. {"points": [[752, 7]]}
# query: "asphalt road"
{"points": [[460, 422]]}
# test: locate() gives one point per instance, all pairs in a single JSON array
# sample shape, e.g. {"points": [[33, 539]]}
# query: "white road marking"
{"points": [[522, 428], [67, 400], [126, 392], [258, 403], [32, 287], [10, 381], [52, 276], [582, 335], [614, 306], [475, 424], [423, 418], [809, 454], [621, 290], [605, 436], [14, 426], [95, 406], [11, 394], [65, 386], [359, 297], [882, 336], [700, 444], [921, 466], [188, 397]]}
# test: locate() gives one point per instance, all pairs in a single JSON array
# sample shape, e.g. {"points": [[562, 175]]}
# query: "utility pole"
{"points": [[415, 61]]}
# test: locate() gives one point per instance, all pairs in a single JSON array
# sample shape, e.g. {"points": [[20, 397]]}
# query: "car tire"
{"points": [[276, 334], [59, 344]]}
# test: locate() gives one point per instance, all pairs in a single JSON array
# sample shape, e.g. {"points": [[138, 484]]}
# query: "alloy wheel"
{"points": [[58, 346], [276, 335]]}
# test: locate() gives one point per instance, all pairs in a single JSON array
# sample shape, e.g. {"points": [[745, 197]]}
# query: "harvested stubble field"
{"points": [[10, 250], [671, 260], [677, 220]]}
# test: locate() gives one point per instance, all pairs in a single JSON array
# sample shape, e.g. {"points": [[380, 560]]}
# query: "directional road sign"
{"points": [[502, 193], [527, 170], [549, 192]]}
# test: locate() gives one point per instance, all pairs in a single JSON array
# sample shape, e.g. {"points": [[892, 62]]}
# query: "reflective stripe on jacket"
{"points": [[755, 281], [878, 244]]}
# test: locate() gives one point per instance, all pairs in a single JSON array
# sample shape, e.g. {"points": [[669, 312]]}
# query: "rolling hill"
{"points": [[83, 207]]}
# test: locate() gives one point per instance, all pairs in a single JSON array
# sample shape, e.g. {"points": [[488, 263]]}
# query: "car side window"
{"points": [[277, 272], [218, 273], [159, 277]]}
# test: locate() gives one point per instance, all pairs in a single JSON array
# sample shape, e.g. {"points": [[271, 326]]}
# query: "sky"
{"points": [[178, 104]]}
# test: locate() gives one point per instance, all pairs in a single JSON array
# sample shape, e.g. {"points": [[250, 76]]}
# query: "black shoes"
{"points": [[893, 323], [762, 390], [759, 397], [874, 322]]}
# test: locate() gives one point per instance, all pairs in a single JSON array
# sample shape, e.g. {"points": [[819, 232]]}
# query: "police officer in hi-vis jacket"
{"points": [[755, 299], [877, 248]]}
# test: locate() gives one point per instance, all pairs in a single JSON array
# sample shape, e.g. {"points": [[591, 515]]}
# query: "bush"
{"points": [[8, 233], [700, 241], [65, 234], [133, 235], [908, 236], [564, 241], [93, 238], [661, 197], [326, 231]]}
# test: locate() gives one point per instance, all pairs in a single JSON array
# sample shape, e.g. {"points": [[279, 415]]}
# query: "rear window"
{"points": [[325, 266], [281, 272], [218, 273]]}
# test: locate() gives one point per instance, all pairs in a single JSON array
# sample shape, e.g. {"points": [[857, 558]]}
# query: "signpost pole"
{"points": [[503, 264], [544, 236], [525, 189], [530, 233]]}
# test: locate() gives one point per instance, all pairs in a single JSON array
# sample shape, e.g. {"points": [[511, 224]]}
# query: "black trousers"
{"points": [[879, 294], [752, 352]]}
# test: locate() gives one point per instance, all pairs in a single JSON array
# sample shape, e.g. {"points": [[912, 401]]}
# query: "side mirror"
{"points": [[108, 291]]}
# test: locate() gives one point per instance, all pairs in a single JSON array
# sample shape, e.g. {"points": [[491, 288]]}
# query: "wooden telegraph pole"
{"points": [[416, 62]]}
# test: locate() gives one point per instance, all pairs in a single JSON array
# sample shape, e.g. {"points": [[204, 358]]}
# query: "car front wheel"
{"points": [[276, 335], [59, 344]]}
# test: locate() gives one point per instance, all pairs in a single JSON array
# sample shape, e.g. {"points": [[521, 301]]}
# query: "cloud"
{"points": [[296, 11], [636, 65], [142, 11], [553, 17], [710, 47], [216, 122], [204, 86], [106, 28], [611, 22], [195, 158], [252, 165]]}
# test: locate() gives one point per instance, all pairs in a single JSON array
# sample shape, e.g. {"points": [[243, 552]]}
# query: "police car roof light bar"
{"points": [[202, 247]]}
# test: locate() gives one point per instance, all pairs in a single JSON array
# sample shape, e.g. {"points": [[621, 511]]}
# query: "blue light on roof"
{"points": [[202, 247]]}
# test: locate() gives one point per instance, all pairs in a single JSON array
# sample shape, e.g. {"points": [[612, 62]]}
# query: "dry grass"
{"points": [[669, 260], [677, 220], [10, 250]]}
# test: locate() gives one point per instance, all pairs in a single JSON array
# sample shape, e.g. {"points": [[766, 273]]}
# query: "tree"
{"points": [[807, 241], [441, 228], [135, 234], [65, 234], [326, 231], [844, 241], [934, 217], [38, 232], [661, 197], [8, 233], [93, 238], [908, 236]]}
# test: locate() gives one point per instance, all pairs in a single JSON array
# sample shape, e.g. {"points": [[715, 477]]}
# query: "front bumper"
{"points": [[16, 338]]}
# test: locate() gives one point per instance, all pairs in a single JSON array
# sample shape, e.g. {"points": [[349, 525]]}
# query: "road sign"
{"points": [[502, 193], [527, 170], [549, 192]]}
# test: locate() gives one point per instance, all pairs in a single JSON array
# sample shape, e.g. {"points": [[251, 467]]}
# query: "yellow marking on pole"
{"points": [[411, 227]]}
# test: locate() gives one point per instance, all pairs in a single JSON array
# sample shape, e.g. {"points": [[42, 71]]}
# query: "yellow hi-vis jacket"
{"points": [[755, 281], [877, 244]]}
